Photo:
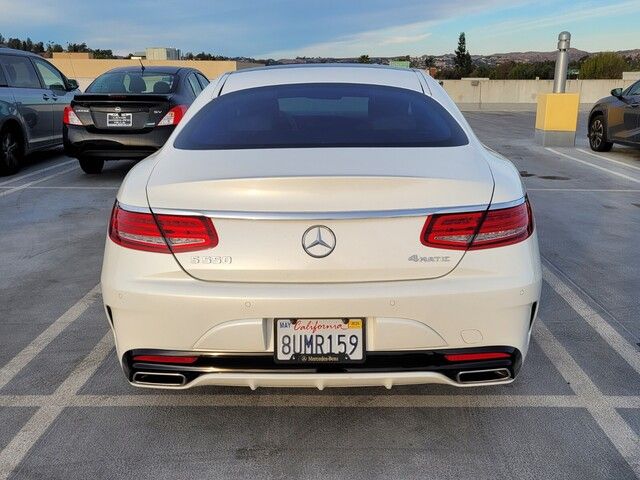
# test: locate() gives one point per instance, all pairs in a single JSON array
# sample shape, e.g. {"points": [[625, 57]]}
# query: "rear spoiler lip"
{"points": [[121, 98]]}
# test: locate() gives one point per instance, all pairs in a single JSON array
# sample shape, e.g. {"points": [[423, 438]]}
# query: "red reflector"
{"points": [[143, 231], [165, 359], [470, 357], [478, 230]]}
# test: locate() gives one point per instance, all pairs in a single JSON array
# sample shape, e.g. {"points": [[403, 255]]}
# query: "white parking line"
{"points": [[40, 180], [264, 398], [23, 441], [621, 435], [602, 157], [66, 187], [584, 162], [609, 334], [31, 174], [595, 190], [28, 353]]}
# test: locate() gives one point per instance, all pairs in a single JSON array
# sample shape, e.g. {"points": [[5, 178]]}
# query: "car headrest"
{"points": [[161, 87], [137, 85]]}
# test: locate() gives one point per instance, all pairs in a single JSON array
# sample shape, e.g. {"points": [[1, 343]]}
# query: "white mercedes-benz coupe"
{"points": [[315, 226]]}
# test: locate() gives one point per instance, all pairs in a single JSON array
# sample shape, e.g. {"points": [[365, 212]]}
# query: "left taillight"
{"points": [[69, 117], [161, 233], [173, 116], [479, 230]]}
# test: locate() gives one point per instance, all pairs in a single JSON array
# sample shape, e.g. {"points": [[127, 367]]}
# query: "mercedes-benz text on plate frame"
{"points": [[318, 241], [319, 226]]}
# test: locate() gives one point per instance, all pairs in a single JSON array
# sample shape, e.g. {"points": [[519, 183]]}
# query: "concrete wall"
{"points": [[521, 94], [85, 70]]}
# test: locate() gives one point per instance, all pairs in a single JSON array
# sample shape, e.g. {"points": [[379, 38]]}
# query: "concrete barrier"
{"points": [[474, 94]]}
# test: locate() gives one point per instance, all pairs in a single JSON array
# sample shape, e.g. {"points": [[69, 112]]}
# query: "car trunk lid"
{"points": [[373, 202], [128, 112]]}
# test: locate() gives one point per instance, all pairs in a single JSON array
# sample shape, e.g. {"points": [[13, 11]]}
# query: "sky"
{"points": [[335, 28]]}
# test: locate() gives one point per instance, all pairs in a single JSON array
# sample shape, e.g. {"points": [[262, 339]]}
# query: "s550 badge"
{"points": [[208, 260], [436, 259]]}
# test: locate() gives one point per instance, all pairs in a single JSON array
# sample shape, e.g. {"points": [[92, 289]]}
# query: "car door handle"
{"points": [[634, 105], [45, 96]]}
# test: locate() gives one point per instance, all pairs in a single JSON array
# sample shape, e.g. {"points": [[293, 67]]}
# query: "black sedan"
{"points": [[616, 119], [128, 113]]}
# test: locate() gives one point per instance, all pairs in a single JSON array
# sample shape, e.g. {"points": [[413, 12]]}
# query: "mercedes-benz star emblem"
{"points": [[318, 241]]}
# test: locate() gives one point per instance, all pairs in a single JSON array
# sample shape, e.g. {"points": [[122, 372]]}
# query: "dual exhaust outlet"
{"points": [[466, 377]]}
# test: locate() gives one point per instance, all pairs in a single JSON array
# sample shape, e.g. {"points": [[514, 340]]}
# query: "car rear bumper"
{"points": [[489, 300], [79, 142]]}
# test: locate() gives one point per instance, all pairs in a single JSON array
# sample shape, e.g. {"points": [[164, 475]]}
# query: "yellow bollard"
{"points": [[557, 119]]}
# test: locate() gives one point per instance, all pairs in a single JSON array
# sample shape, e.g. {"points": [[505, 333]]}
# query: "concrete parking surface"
{"points": [[66, 411]]}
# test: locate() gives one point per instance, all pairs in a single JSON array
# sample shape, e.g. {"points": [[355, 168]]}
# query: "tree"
{"points": [[77, 47], [364, 59], [605, 65], [463, 62]]}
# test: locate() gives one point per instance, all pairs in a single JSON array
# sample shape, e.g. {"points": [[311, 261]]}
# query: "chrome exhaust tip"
{"points": [[484, 376], [159, 379]]}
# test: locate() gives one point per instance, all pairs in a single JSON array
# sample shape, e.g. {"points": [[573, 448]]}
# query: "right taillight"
{"points": [[478, 230], [161, 233]]}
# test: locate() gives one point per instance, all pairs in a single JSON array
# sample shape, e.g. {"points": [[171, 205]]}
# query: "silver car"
{"points": [[33, 94]]}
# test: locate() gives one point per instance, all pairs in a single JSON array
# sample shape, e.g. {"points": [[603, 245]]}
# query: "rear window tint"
{"points": [[132, 82], [321, 115]]}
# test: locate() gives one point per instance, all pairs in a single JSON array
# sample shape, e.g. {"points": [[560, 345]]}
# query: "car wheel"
{"points": [[91, 166], [11, 151], [597, 135]]}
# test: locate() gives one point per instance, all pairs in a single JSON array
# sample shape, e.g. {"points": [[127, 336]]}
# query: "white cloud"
{"points": [[399, 40]]}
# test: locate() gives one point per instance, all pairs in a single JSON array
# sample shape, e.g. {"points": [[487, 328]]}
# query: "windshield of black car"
{"points": [[133, 82], [321, 115]]}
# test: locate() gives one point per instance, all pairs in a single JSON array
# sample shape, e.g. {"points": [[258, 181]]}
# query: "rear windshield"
{"points": [[321, 115], [133, 82]]}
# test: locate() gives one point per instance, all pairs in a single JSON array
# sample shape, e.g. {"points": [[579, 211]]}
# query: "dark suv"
{"points": [[616, 119], [33, 94]]}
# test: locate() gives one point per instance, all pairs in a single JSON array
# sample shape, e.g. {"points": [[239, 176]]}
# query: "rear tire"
{"points": [[598, 134], [92, 166], [11, 151]]}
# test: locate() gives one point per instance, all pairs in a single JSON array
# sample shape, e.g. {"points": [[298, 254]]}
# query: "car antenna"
{"points": [[141, 65]]}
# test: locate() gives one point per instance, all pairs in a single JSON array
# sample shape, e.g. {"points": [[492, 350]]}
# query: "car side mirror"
{"points": [[616, 92], [72, 84]]}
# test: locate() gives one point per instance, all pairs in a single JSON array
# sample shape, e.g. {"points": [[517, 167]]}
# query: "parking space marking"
{"points": [[602, 157], [36, 427], [596, 190], [384, 400], [621, 435], [28, 353], [68, 187], [36, 172], [593, 165], [34, 182], [587, 395], [609, 334]]}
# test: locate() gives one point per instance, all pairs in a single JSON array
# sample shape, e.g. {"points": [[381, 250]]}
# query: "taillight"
{"points": [[171, 359], [161, 233], [478, 230], [69, 117], [475, 357], [173, 116]]}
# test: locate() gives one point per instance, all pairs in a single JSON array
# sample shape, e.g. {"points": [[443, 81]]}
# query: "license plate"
{"points": [[119, 119], [332, 340]]}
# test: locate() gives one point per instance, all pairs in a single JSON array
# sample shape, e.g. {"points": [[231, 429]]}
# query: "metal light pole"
{"points": [[562, 63]]}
